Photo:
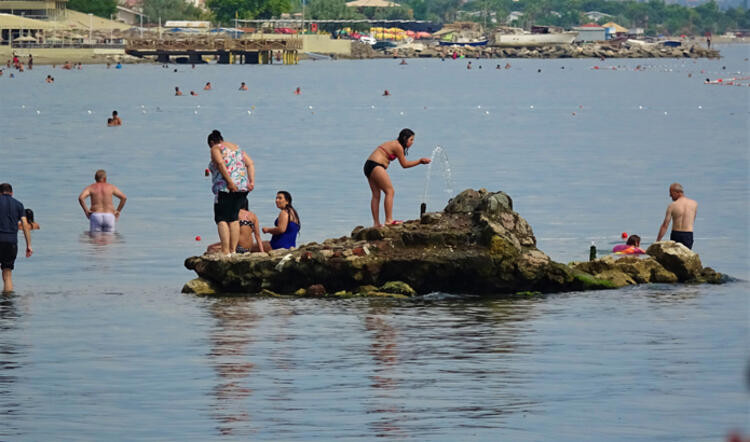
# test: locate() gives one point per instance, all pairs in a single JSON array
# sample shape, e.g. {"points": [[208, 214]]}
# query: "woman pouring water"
{"points": [[377, 177]]}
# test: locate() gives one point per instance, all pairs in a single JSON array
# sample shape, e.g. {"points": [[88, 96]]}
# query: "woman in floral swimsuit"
{"points": [[232, 177]]}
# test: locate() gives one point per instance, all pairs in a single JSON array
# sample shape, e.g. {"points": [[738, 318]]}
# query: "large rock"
{"points": [[677, 258], [477, 245]]}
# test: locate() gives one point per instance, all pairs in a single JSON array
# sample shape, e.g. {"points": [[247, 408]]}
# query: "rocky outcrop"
{"points": [[477, 245], [578, 50], [667, 262]]}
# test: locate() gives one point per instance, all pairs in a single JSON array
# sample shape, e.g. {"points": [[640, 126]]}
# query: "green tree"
{"points": [[169, 10], [224, 10], [100, 8]]}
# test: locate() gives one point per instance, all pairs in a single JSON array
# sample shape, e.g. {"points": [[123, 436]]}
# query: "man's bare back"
{"points": [[683, 213], [101, 193]]}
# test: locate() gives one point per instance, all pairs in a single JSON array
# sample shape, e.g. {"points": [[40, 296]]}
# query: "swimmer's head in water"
{"points": [[100, 176], [405, 139], [214, 138], [114, 113], [634, 240]]}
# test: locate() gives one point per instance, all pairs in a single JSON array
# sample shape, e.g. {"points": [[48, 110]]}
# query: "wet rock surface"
{"points": [[477, 245]]}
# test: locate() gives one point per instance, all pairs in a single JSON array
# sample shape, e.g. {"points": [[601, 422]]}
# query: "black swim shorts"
{"points": [[228, 207], [370, 166], [8, 253], [685, 238]]}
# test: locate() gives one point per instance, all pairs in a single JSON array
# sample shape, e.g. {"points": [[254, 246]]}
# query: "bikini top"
{"points": [[391, 157], [247, 222]]}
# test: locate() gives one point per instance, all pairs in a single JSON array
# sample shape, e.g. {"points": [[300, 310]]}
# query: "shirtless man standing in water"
{"points": [[102, 214], [682, 215]]}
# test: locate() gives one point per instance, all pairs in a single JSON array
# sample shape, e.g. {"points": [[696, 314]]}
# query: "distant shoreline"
{"points": [[50, 56]]}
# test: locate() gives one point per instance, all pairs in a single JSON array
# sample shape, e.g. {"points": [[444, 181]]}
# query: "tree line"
{"points": [[654, 16]]}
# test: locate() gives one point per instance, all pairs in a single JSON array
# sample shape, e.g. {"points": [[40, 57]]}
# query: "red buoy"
{"points": [[624, 235], [198, 238]]}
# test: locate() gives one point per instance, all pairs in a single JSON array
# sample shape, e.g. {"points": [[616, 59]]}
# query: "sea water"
{"points": [[97, 342]]}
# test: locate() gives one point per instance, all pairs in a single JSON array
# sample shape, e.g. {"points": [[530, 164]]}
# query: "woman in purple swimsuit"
{"points": [[377, 177], [287, 224]]}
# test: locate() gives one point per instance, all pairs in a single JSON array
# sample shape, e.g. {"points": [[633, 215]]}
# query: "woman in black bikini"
{"points": [[375, 171]]}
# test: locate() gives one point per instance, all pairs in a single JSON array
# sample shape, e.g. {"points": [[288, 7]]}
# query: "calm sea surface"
{"points": [[98, 344]]}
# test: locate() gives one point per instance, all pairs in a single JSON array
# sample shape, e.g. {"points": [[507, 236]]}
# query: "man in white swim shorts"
{"points": [[102, 215]]}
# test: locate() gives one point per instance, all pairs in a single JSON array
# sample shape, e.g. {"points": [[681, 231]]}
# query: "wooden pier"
{"points": [[227, 50]]}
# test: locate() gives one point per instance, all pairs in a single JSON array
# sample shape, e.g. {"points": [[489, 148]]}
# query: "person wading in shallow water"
{"points": [[11, 216], [377, 177], [681, 212]]}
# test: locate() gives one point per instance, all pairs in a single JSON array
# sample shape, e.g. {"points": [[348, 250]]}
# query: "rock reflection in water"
{"points": [[11, 354], [384, 351], [230, 338]]}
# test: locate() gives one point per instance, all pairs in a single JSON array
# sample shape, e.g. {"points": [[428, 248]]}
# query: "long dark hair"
{"points": [[288, 198], [403, 137], [214, 138]]}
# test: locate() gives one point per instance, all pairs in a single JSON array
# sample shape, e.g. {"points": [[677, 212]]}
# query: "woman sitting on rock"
{"points": [[249, 227], [377, 177], [287, 224]]}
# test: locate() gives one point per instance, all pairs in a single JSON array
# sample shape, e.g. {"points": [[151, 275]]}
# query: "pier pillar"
{"points": [[223, 57], [162, 58], [251, 57], [195, 58]]}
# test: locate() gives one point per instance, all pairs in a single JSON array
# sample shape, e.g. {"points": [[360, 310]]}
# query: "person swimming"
{"points": [[207, 87], [177, 91], [631, 247], [243, 86], [287, 224]]}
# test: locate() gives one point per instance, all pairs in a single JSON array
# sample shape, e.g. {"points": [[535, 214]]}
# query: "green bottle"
{"points": [[592, 251]]}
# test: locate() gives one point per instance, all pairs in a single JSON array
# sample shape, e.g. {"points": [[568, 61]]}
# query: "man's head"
{"points": [[114, 114], [6, 189], [634, 240], [675, 191], [100, 176]]}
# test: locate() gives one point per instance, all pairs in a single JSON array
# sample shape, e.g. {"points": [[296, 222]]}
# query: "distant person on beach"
{"points": [[232, 177], [177, 91], [681, 213], [67, 65], [12, 215], [31, 62], [468, 65], [116, 121], [298, 91], [631, 247], [249, 227], [207, 87], [403, 61], [377, 177], [243, 86], [386, 93], [102, 214], [284, 235], [49, 79], [110, 121]]}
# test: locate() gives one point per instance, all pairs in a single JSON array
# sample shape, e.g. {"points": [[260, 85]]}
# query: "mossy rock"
{"points": [[200, 286], [589, 282], [397, 287]]}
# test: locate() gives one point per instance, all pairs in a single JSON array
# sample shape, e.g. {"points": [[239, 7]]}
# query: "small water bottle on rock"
{"points": [[592, 251]]}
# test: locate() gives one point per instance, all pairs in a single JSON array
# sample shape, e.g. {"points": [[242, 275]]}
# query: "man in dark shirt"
{"points": [[11, 212]]}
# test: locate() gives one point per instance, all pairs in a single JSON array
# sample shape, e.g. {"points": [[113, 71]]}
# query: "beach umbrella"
{"points": [[25, 38]]}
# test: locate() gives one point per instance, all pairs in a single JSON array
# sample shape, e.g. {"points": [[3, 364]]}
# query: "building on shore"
{"points": [[40, 9]]}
